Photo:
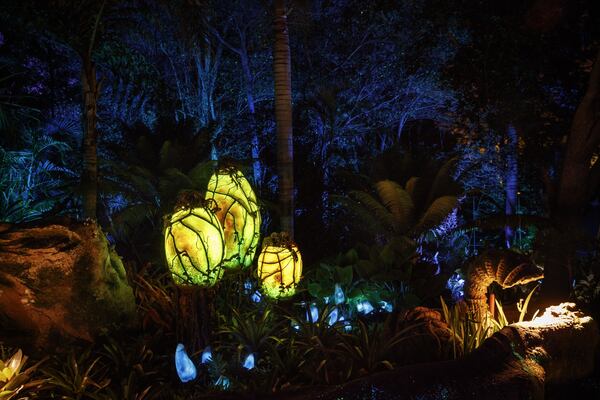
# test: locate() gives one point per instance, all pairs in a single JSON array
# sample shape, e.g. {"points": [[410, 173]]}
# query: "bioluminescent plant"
{"points": [[206, 356], [364, 307], [456, 285], [338, 294], [333, 317], [312, 314], [249, 361], [186, 370]]}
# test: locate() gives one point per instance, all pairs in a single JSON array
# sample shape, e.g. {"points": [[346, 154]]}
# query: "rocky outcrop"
{"points": [[60, 281]]}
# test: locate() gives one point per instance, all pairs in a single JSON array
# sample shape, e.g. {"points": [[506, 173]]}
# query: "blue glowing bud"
{"points": [[256, 297], [206, 355], [333, 316], [249, 361], [314, 314], [186, 370], [338, 294], [385, 306], [364, 307], [295, 325], [223, 381]]}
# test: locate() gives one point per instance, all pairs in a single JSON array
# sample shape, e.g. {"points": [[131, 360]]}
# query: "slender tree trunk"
{"points": [[90, 139], [283, 118], [512, 181]]}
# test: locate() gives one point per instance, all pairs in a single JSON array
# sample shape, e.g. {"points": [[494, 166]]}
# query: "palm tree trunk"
{"points": [[90, 139], [283, 118]]}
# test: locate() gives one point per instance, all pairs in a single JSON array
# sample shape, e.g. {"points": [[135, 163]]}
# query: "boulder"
{"points": [[60, 281]]}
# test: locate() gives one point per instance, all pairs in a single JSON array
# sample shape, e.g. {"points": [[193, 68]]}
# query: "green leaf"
{"points": [[436, 213], [351, 257], [345, 275], [314, 289], [398, 202]]}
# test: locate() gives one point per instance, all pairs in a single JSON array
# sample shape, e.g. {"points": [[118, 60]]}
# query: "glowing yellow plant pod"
{"points": [[194, 246], [279, 266], [238, 213]]}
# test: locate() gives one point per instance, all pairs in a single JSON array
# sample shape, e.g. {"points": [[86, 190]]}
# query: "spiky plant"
{"points": [[14, 380], [79, 376], [410, 208], [371, 347]]}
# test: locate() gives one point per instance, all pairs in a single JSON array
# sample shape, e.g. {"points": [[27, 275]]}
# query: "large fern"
{"points": [[393, 209]]}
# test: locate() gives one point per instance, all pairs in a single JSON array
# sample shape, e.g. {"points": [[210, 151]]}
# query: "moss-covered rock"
{"points": [[61, 281]]}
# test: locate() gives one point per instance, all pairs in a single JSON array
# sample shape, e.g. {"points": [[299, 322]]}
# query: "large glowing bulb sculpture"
{"points": [[238, 213], [279, 266], [194, 244]]}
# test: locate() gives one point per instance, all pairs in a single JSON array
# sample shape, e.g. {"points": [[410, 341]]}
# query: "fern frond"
{"points": [[372, 208], [398, 202], [436, 213]]}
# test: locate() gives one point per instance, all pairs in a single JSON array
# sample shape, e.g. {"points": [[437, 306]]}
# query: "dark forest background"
{"points": [[483, 91]]}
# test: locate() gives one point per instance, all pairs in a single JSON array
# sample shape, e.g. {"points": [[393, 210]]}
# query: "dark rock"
{"points": [[61, 281]]}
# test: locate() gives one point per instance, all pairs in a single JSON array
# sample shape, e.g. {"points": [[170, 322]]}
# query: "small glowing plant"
{"points": [[470, 332], [13, 380]]}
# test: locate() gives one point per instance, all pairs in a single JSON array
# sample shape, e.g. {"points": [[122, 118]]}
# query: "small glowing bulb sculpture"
{"points": [[238, 213], [279, 266], [186, 370], [194, 244]]}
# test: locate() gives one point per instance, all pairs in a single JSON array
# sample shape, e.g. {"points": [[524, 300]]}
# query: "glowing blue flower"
{"points": [[364, 307], [223, 381], [186, 370], [347, 326], [247, 285], [333, 316], [314, 314], [249, 361], [338, 294], [295, 325], [385, 306], [456, 285], [206, 355], [256, 297]]}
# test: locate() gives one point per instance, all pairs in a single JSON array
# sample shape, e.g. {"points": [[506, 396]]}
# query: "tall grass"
{"points": [[469, 332]]}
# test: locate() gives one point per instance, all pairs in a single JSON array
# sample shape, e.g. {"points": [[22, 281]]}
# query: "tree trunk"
{"points": [[512, 181], [194, 317], [573, 190], [283, 118], [89, 179]]}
